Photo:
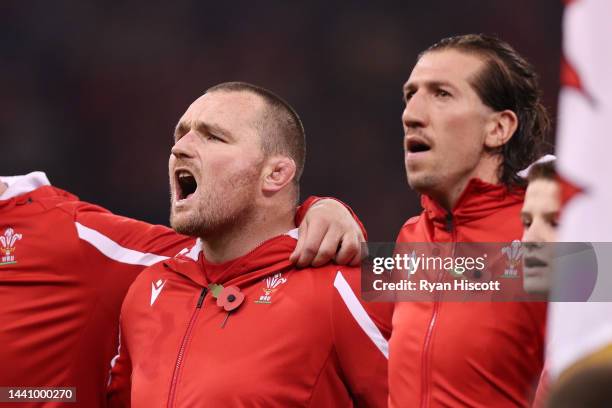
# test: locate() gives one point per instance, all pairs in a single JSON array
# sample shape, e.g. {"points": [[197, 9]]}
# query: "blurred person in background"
{"points": [[473, 118], [581, 385], [239, 325], [65, 266], [588, 386], [540, 216]]}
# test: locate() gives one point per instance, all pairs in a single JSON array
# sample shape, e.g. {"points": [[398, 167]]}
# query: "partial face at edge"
{"points": [[444, 121], [540, 216], [216, 163]]}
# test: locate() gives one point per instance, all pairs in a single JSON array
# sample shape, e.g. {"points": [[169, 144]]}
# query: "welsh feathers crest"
{"points": [[513, 252], [272, 283], [7, 246]]}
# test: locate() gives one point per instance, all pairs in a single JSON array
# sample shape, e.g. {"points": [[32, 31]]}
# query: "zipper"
{"points": [[181, 354], [425, 371]]}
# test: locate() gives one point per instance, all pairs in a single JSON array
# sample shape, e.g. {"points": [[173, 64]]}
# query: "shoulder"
{"points": [[141, 288], [412, 221], [75, 207], [409, 228], [329, 275]]}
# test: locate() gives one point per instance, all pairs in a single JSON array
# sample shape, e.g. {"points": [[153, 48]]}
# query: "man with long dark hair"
{"points": [[473, 118]]}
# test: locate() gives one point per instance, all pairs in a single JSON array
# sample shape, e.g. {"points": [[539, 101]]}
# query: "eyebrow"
{"points": [[201, 127], [546, 214], [427, 84]]}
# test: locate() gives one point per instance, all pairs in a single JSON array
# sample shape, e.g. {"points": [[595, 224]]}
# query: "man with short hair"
{"points": [[237, 324], [473, 119], [65, 266]]}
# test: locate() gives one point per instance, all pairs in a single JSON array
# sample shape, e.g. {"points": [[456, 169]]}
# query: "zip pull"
{"points": [[449, 222], [201, 299]]}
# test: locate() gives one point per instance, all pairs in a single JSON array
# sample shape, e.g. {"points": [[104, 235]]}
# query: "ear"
{"points": [[277, 173], [501, 128]]}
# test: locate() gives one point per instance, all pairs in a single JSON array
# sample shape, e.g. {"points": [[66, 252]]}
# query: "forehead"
{"points": [[231, 109], [446, 66], [542, 195]]}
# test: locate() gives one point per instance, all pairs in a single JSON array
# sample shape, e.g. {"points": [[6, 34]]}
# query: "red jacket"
{"points": [[471, 354], [63, 276], [301, 338]]}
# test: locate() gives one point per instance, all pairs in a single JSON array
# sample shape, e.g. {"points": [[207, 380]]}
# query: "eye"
{"points": [[210, 136], [553, 221], [441, 93], [526, 222], [408, 95]]}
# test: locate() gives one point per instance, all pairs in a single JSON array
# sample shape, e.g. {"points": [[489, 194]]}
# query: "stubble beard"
{"points": [[423, 183], [217, 213]]}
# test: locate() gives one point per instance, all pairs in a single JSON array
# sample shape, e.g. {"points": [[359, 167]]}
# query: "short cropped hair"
{"points": [[507, 81], [281, 130]]}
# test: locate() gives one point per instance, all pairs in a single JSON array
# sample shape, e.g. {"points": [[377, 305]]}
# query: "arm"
{"points": [[328, 230], [127, 240], [361, 332], [113, 250]]}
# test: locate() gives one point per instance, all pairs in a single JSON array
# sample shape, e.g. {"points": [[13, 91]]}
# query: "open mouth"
{"points": [[186, 183], [533, 262], [417, 146]]}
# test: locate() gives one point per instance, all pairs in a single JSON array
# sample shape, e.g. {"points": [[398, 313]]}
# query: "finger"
{"points": [[348, 249], [362, 253], [302, 231], [312, 241], [360, 236], [328, 248]]}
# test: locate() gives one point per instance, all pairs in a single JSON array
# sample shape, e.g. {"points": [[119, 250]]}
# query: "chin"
{"points": [[421, 183], [183, 224], [536, 285]]}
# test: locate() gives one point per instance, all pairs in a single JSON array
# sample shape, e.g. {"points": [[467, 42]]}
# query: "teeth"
{"points": [[183, 174], [186, 184]]}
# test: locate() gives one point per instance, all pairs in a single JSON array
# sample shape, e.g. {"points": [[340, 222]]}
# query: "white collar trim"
{"points": [[293, 233], [18, 185]]}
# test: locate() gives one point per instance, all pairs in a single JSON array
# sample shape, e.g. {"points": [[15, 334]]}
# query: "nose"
{"points": [[415, 112], [531, 238], [183, 147]]}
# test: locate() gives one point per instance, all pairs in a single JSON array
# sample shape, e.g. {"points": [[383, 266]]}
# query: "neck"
{"points": [[3, 188], [486, 171], [240, 239]]}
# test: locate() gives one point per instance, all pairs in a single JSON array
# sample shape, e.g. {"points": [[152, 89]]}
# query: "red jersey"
{"points": [[65, 266], [300, 338], [471, 354]]}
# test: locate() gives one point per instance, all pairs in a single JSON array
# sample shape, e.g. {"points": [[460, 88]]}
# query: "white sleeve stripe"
{"points": [[115, 251], [360, 315]]}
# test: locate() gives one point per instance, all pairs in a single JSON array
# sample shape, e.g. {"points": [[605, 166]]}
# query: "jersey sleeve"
{"points": [[115, 249], [312, 200], [127, 240], [120, 381], [361, 331]]}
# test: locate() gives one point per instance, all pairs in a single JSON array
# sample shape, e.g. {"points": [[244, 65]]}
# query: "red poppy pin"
{"points": [[230, 298]]}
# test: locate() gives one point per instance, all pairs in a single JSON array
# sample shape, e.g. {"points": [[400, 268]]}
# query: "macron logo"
{"points": [[156, 288]]}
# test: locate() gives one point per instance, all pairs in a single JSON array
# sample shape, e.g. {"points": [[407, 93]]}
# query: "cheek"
{"points": [[232, 169], [550, 235], [170, 170], [465, 127]]}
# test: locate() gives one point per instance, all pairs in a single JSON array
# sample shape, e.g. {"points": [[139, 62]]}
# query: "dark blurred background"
{"points": [[90, 91]]}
